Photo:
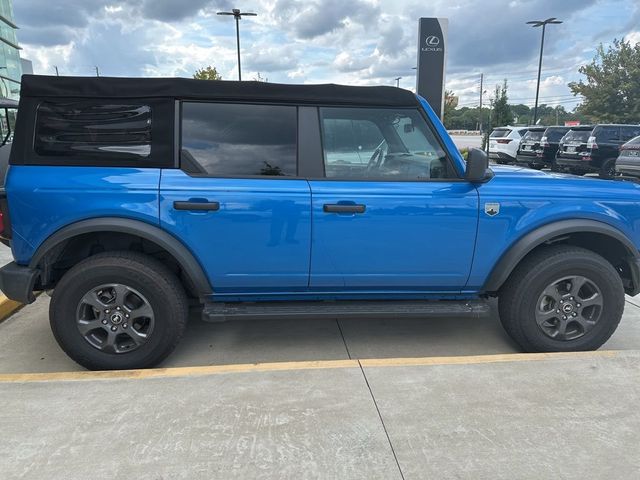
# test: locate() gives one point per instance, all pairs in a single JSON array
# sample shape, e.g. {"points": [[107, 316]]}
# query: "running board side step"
{"points": [[220, 312]]}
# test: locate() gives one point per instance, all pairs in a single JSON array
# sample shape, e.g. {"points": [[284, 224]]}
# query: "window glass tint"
{"points": [[607, 134], [93, 130], [554, 134], [383, 144], [576, 136], [634, 141], [233, 140], [533, 135], [500, 132], [630, 132]]}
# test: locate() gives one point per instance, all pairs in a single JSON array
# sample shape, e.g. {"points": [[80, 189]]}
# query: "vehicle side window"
{"points": [[608, 134], [629, 132], [93, 130], [238, 140], [381, 144]]}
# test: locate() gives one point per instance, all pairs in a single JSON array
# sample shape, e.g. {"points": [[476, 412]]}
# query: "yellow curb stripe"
{"points": [[290, 366], [7, 307], [480, 359], [176, 372]]}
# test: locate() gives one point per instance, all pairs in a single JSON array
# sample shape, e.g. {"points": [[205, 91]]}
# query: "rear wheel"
{"points": [[562, 298], [608, 169], [118, 310]]}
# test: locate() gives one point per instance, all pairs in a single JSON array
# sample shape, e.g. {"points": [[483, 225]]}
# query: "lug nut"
{"points": [[114, 328], [570, 298], [118, 308], [104, 322], [564, 317], [124, 325], [575, 314], [126, 315], [557, 311], [107, 311], [561, 301], [578, 305]]}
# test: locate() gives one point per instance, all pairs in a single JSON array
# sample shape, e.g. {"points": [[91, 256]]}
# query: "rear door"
{"points": [[608, 141], [401, 221], [236, 200]]}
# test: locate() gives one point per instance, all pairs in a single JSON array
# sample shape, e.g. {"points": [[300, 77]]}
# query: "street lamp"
{"points": [[397, 79], [543, 24], [237, 14]]}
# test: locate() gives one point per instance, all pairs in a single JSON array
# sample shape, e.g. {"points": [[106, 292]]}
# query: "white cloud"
{"points": [[633, 37]]}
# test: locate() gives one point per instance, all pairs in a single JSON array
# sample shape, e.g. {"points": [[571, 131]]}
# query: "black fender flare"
{"points": [[189, 264], [540, 235]]}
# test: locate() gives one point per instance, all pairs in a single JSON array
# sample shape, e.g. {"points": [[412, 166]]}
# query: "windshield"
{"points": [[534, 136], [635, 142], [577, 136], [500, 132], [555, 134]]}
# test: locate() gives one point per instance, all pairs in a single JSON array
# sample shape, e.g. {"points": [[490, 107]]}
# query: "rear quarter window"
{"points": [[98, 132], [86, 129]]}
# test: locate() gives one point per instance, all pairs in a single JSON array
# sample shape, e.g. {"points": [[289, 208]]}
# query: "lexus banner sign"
{"points": [[432, 39]]}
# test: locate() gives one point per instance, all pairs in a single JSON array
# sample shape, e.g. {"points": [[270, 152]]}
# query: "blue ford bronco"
{"points": [[136, 200]]}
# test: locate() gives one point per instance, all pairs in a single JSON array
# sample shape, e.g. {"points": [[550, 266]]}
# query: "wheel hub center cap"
{"points": [[567, 308], [116, 318]]}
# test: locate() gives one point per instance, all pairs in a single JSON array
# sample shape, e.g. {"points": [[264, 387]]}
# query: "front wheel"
{"points": [[562, 298], [118, 310]]}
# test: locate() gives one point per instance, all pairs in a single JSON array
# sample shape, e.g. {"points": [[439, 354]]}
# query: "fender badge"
{"points": [[492, 209]]}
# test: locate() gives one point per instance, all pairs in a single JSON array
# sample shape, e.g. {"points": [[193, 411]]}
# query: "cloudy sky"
{"points": [[314, 41]]}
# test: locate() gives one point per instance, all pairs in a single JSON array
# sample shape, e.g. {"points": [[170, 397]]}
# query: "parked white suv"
{"points": [[504, 143]]}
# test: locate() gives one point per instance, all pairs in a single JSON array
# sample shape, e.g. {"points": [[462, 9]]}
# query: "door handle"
{"points": [[200, 206], [343, 208]]}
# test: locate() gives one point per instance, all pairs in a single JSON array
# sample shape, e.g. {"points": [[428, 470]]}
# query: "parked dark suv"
{"points": [[594, 149], [530, 145]]}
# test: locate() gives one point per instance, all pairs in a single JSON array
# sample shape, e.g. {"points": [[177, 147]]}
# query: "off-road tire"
{"points": [[518, 298], [162, 289]]}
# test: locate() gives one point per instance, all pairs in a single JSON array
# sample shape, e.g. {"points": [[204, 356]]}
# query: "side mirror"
{"points": [[478, 170]]}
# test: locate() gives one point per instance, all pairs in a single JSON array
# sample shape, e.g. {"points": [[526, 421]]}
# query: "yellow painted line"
{"points": [[291, 366], [479, 359], [176, 372], [7, 307]]}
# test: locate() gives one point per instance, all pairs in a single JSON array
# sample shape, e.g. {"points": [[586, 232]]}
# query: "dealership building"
{"points": [[10, 63]]}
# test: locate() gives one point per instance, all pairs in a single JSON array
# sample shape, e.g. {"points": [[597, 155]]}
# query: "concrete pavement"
{"points": [[567, 416], [27, 345]]}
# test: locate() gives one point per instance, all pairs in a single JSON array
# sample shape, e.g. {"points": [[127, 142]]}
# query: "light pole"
{"points": [[543, 24], [237, 14], [397, 79]]}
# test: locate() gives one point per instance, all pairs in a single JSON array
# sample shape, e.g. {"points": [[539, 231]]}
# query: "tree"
{"points": [[611, 92], [450, 103], [501, 114], [208, 73]]}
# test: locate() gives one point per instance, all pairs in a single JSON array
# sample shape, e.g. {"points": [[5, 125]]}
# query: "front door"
{"points": [[397, 219], [236, 201]]}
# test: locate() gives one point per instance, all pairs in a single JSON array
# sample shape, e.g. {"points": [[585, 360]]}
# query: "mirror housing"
{"points": [[478, 170]]}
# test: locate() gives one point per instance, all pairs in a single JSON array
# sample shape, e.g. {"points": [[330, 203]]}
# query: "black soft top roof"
{"points": [[186, 88]]}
